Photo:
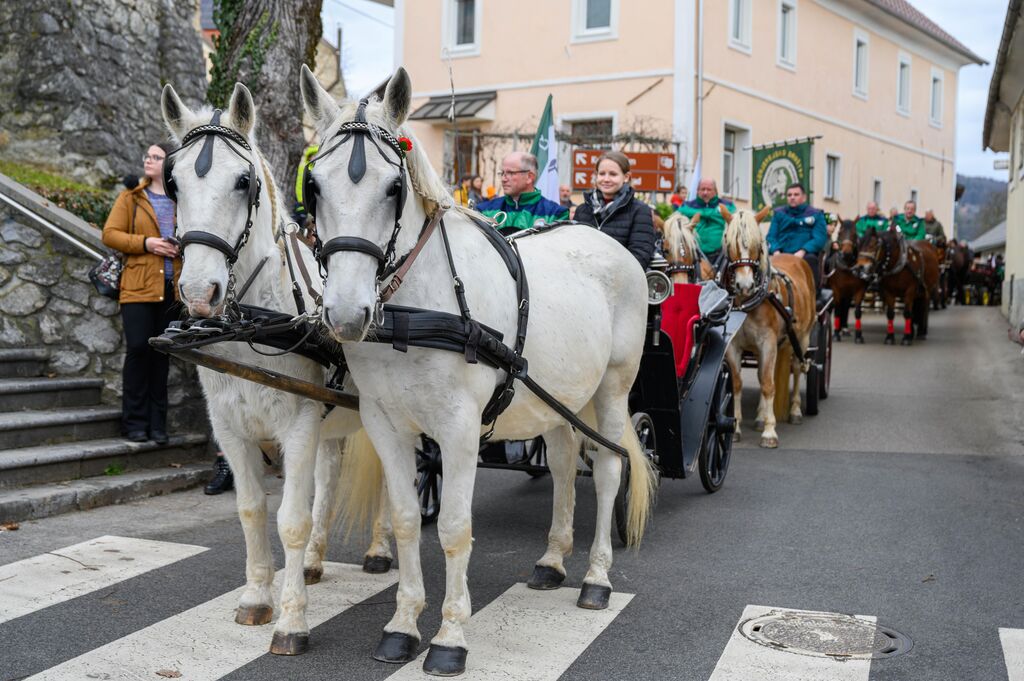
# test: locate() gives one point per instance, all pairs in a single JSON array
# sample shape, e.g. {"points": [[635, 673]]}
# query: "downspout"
{"points": [[700, 83]]}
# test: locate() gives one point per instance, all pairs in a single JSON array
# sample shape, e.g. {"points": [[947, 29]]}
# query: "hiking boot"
{"points": [[223, 481]]}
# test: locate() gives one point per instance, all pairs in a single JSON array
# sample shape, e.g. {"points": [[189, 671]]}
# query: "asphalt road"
{"points": [[901, 500]]}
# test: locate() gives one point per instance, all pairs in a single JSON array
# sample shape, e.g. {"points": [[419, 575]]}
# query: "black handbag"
{"points": [[106, 274]]}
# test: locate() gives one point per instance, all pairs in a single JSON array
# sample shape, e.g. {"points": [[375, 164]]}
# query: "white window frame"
{"points": [[786, 61], [1020, 147], [582, 34], [745, 43], [876, 191], [904, 59], [837, 183], [741, 160], [449, 31], [937, 76], [860, 37]]}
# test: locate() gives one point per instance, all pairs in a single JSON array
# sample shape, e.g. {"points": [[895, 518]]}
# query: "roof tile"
{"points": [[908, 13]]}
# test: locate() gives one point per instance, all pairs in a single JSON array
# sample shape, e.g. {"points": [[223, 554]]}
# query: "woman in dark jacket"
{"points": [[614, 210]]}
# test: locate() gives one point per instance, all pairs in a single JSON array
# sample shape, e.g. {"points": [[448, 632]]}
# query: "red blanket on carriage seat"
{"points": [[678, 315]]}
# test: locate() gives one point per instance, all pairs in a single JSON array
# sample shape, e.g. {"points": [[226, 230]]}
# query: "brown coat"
{"points": [[142, 280]]}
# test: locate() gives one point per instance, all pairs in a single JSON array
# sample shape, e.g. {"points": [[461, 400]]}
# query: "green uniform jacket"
{"points": [[866, 222], [912, 229], [524, 212], [711, 227]]}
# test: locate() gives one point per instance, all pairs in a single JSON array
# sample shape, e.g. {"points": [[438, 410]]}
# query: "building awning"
{"points": [[992, 240], [472, 105]]}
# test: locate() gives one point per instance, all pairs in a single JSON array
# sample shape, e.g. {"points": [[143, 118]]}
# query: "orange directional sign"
{"points": [[649, 171]]}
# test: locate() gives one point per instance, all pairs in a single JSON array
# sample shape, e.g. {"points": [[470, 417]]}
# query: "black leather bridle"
{"points": [[358, 131], [204, 162]]}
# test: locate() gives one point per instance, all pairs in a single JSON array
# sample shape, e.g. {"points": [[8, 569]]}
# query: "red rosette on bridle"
{"points": [[405, 143]]}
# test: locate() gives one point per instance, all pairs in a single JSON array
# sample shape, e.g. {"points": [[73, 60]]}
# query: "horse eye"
{"points": [[242, 183], [393, 190]]}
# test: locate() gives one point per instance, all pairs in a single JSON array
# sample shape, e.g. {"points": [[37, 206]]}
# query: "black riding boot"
{"points": [[223, 481]]}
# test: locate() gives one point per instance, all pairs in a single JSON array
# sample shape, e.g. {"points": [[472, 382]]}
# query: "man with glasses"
{"points": [[522, 204]]}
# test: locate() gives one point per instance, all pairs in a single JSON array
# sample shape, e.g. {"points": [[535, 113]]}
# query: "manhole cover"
{"points": [[825, 635]]}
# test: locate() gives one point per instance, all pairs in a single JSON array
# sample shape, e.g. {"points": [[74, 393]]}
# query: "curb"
{"points": [[33, 503]]}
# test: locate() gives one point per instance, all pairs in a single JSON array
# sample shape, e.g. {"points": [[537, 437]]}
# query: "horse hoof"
{"points": [[737, 436], [889, 340], [796, 419], [376, 565], [396, 648], [312, 575], [906, 340], [858, 340], [445, 660], [594, 597], [289, 644], [254, 615], [545, 578], [759, 424], [770, 442]]}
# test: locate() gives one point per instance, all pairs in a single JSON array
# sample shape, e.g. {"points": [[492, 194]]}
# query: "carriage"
{"points": [[681, 402]]}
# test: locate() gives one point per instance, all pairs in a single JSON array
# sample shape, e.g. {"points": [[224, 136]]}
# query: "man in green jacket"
{"points": [[911, 226], [522, 203], [872, 218], [711, 227]]}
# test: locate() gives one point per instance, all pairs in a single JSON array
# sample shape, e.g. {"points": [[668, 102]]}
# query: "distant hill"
{"points": [[982, 206]]}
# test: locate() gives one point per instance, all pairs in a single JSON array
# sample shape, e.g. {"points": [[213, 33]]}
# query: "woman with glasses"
{"points": [[613, 208], [141, 226]]}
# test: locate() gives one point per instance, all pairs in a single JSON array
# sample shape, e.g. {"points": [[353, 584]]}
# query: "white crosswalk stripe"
{"points": [[204, 643], [50, 578], [527, 635], [743, 659], [1013, 652]]}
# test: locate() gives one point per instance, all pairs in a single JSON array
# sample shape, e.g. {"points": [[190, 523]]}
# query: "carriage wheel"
{"points": [[813, 379], [716, 449], [644, 427], [429, 474], [825, 359]]}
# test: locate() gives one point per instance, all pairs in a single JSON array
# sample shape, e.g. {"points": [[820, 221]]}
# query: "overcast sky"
{"points": [[368, 35]]}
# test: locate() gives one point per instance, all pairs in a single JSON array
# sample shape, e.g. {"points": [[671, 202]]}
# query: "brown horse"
{"points": [[941, 293], [682, 252], [752, 278], [907, 270], [847, 288], [959, 268]]}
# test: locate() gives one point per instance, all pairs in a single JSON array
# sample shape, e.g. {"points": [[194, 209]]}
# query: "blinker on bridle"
{"points": [[204, 162], [358, 131]]}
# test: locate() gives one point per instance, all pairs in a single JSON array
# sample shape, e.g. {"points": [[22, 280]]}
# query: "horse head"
{"points": [[747, 253], [869, 253], [847, 242], [681, 249], [359, 182], [217, 202]]}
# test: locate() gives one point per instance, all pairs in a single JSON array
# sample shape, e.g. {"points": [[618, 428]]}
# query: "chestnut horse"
{"points": [[905, 269], [847, 288], [683, 253], [752, 278]]}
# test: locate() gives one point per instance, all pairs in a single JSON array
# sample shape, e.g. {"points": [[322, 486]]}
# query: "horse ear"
{"points": [[398, 96], [242, 110], [762, 214], [725, 213], [320, 106], [177, 116]]}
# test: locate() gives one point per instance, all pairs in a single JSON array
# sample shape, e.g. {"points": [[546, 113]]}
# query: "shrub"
{"points": [[664, 210], [90, 204]]}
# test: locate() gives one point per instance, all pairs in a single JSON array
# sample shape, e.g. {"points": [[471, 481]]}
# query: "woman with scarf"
{"points": [[614, 209]]}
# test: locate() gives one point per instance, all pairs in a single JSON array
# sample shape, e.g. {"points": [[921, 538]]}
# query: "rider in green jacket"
{"points": [[911, 226], [522, 205], [872, 218], [711, 227]]}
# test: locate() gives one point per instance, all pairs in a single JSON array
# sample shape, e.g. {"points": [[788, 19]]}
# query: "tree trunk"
{"points": [[263, 44]]}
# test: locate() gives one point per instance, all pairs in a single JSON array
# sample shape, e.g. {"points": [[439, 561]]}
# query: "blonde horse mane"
{"points": [[744, 232], [422, 177], [679, 235]]}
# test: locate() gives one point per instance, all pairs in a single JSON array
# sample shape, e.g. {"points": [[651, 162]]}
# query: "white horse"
{"points": [[588, 310], [243, 413]]}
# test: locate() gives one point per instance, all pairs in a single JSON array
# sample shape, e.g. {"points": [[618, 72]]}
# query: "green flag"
{"points": [[545, 148]]}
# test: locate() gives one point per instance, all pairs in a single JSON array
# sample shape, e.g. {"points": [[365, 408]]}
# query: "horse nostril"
{"points": [[367, 313], [215, 295]]}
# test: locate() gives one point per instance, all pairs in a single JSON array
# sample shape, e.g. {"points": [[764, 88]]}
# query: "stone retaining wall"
{"points": [[47, 301]]}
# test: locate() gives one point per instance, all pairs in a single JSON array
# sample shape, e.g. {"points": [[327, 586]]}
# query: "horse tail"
{"points": [[641, 486], [362, 477], [783, 376]]}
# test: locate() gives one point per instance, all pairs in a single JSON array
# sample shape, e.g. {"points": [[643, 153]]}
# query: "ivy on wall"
{"points": [[228, 57]]}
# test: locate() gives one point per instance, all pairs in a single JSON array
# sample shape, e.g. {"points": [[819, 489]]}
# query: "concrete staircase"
{"points": [[61, 449]]}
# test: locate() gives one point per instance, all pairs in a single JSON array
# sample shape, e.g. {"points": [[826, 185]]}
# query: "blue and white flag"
{"points": [[545, 148]]}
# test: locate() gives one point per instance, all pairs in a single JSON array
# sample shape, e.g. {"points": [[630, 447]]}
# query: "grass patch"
{"points": [[90, 204], [114, 469]]}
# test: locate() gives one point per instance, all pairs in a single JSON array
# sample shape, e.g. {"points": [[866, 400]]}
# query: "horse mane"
{"points": [[422, 177], [679, 232], [744, 232]]}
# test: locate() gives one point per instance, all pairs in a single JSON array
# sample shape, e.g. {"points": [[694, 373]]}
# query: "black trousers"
{"points": [[814, 261], [144, 400]]}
